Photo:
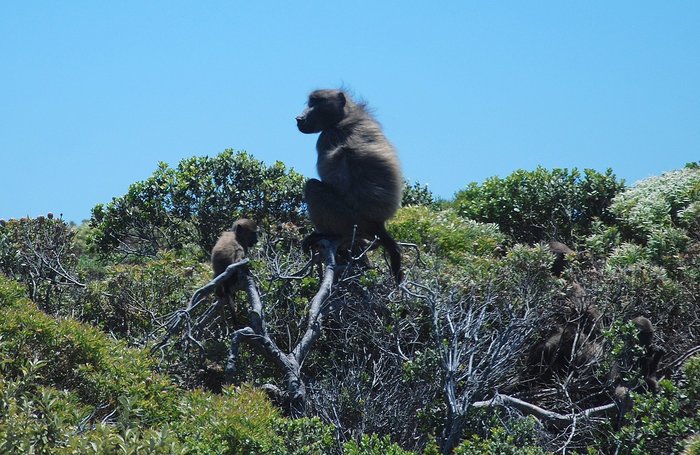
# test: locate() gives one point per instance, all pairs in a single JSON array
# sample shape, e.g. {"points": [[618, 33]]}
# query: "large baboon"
{"points": [[232, 247], [361, 182]]}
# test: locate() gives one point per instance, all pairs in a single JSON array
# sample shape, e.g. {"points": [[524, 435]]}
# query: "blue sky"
{"points": [[94, 94]]}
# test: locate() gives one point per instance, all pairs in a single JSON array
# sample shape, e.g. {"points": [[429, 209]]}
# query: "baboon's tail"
{"points": [[394, 251]]}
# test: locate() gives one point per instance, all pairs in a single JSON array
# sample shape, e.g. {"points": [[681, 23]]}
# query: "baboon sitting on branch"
{"points": [[361, 182]]}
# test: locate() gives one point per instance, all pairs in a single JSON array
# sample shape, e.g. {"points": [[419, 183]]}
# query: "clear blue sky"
{"points": [[93, 94]]}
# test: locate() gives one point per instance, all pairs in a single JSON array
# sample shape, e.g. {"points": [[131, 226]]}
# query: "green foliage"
{"points": [[373, 445], [106, 439], [69, 388], [102, 380], [306, 436], [539, 205], [129, 296], [524, 275], [81, 358], [657, 423], [643, 287], [669, 200], [666, 245], [602, 240], [192, 204], [216, 423], [627, 255], [520, 438], [692, 446], [40, 419], [692, 374], [39, 252], [445, 234], [417, 194]]}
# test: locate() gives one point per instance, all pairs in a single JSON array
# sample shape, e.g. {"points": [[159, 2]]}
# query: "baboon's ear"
{"points": [[341, 99]]}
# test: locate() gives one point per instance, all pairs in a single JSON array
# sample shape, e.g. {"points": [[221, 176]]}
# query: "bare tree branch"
{"points": [[256, 333], [554, 419], [176, 319]]}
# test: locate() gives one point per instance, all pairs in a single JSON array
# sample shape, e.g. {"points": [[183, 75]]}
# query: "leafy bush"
{"points": [[80, 358], [40, 253], [531, 206], [36, 419], [520, 438], [111, 400], [657, 424], [444, 233], [373, 445], [669, 200], [417, 194], [192, 204], [130, 297]]}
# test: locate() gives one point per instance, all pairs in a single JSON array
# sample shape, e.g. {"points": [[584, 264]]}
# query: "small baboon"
{"points": [[560, 252], [573, 340], [361, 182], [646, 330], [649, 361], [563, 349], [232, 247]]}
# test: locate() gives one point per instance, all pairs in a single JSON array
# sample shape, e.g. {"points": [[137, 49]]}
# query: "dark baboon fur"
{"points": [[573, 340], [361, 182], [232, 247], [646, 330], [649, 361], [566, 344], [560, 252]]}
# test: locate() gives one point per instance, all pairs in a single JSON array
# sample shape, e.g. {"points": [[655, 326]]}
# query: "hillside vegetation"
{"points": [[500, 341]]}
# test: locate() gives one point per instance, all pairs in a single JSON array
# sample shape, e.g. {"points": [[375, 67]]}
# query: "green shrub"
{"points": [[128, 298], [531, 206], [193, 203], [39, 419], [102, 380], [373, 445], [81, 359], [692, 373], [602, 240], [40, 253], [445, 234], [657, 423], [627, 255], [692, 445], [417, 194], [520, 438]]}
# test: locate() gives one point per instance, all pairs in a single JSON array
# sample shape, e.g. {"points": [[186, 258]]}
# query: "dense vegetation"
{"points": [[443, 364]]}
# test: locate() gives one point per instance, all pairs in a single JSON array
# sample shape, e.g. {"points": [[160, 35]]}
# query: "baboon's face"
{"points": [[246, 232], [325, 109]]}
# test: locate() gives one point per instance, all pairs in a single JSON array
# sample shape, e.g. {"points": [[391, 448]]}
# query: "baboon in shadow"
{"points": [[560, 252], [570, 344]]}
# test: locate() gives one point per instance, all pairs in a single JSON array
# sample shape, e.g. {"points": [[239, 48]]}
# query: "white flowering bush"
{"points": [[669, 200]]}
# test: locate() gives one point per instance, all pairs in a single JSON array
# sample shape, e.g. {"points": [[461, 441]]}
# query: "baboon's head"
{"points": [[246, 232], [325, 109]]}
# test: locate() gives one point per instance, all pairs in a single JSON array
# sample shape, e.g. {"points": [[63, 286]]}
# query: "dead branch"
{"points": [[551, 418], [289, 364], [174, 320], [256, 333], [674, 368]]}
